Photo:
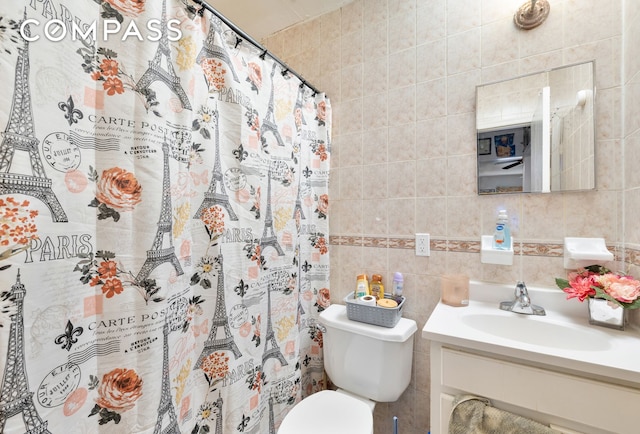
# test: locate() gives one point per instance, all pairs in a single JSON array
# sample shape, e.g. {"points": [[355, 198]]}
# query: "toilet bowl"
{"points": [[328, 412], [368, 363]]}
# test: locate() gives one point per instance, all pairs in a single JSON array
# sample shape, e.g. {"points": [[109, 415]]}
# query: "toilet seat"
{"points": [[328, 412]]}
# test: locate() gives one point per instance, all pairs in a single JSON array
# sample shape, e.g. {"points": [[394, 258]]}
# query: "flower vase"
{"points": [[606, 314]]}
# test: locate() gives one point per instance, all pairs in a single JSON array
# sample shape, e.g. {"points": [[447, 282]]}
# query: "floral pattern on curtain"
{"points": [[164, 223]]}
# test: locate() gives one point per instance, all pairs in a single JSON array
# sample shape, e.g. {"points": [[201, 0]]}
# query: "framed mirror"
{"points": [[536, 133]]}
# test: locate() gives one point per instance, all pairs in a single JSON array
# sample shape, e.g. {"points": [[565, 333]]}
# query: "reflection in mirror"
{"points": [[536, 132]]}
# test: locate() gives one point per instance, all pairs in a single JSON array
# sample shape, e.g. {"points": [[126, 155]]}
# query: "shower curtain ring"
{"points": [[285, 71]]}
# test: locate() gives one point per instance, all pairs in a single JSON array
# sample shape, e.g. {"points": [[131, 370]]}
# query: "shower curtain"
{"points": [[163, 223]]}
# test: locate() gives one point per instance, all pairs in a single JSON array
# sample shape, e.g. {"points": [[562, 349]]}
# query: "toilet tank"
{"points": [[368, 360]]}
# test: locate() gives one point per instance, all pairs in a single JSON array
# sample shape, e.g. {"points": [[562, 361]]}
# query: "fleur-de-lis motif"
{"points": [[307, 172], [240, 153], [244, 423], [241, 289], [306, 266], [67, 339], [72, 114]]}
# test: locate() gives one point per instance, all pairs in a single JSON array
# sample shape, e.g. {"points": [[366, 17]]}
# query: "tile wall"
{"points": [[401, 75]]}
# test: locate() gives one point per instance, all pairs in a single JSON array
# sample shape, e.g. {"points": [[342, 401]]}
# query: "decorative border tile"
{"points": [[632, 256], [551, 250], [540, 249]]}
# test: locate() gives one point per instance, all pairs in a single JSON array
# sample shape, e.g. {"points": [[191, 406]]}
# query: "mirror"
{"points": [[536, 133]]}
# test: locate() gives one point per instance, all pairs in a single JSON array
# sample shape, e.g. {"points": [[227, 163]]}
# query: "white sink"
{"points": [[537, 331], [562, 337]]}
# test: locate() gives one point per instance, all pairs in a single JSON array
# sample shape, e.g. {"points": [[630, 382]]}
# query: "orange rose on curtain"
{"points": [[254, 76], [323, 299], [321, 113], [323, 206], [118, 392], [118, 190]]}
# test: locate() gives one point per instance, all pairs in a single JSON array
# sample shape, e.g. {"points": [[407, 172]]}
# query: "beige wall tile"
{"points": [[375, 11], [376, 76], [431, 60], [375, 40], [431, 137], [402, 32], [402, 68], [431, 99], [463, 51], [374, 145], [402, 142], [499, 42], [402, 105], [431, 178], [401, 179], [462, 15]]}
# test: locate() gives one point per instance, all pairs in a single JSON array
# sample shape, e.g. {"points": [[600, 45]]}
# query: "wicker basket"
{"points": [[380, 316]]}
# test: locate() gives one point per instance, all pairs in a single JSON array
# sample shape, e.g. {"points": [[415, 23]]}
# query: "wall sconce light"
{"points": [[531, 14]]}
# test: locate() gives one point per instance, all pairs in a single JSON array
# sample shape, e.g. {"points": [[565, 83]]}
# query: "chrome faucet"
{"points": [[522, 303]]}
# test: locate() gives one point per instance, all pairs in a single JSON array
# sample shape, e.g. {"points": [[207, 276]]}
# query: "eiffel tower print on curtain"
{"points": [[268, 235], [271, 347], [158, 255], [218, 405], [298, 206], [216, 194], [211, 50], [299, 103], [156, 72], [166, 407], [272, 419], [16, 398], [19, 135], [269, 121], [220, 320]]}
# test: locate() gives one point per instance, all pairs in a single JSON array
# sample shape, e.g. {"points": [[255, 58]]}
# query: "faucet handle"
{"points": [[522, 294]]}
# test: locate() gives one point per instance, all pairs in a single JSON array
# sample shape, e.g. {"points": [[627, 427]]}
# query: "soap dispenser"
{"points": [[502, 234]]}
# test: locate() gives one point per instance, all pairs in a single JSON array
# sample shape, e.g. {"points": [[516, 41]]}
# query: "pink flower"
{"points": [[623, 289], [580, 286], [598, 281]]}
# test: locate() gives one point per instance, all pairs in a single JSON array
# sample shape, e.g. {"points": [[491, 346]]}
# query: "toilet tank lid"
{"points": [[336, 316]]}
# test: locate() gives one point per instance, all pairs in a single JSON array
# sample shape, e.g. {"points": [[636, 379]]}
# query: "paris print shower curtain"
{"points": [[163, 206]]}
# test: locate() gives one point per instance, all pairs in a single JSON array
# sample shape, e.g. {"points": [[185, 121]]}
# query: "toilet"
{"points": [[367, 363]]}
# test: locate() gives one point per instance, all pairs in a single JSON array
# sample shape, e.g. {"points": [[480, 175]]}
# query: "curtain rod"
{"points": [[245, 36]]}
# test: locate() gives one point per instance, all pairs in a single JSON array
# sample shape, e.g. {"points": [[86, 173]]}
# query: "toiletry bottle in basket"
{"points": [[398, 284], [377, 288], [362, 286]]}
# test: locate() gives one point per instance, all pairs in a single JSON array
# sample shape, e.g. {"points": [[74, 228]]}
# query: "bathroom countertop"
{"points": [[563, 338]]}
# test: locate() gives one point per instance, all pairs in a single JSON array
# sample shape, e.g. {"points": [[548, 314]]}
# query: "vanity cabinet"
{"points": [[568, 400]]}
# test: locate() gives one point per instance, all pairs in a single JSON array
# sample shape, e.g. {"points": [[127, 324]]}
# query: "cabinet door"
{"points": [[549, 395]]}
